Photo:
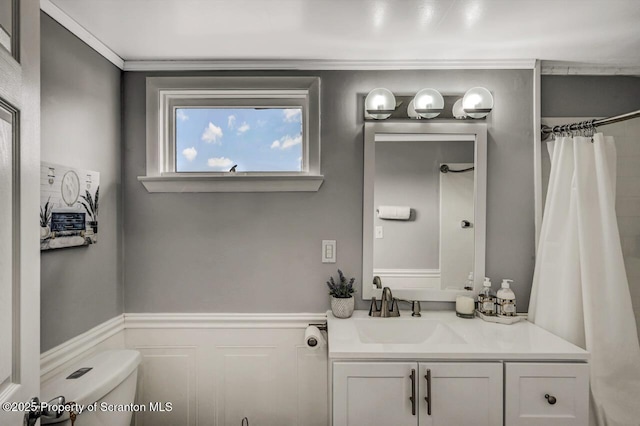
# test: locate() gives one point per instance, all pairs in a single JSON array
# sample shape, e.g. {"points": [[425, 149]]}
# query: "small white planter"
{"points": [[44, 232], [342, 307]]}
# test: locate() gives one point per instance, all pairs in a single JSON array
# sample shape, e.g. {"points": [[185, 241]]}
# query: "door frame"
{"points": [[20, 91]]}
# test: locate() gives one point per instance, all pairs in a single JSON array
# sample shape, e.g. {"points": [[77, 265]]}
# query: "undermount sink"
{"points": [[405, 331]]}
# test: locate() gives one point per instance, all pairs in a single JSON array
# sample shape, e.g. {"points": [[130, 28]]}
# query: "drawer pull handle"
{"points": [[412, 398], [550, 399], [428, 397]]}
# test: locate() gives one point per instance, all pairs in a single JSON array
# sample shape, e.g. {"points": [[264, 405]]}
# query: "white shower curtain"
{"points": [[580, 290]]}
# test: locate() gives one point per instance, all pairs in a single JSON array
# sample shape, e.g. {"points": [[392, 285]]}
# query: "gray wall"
{"points": [[81, 116], [585, 97], [589, 96], [408, 174], [6, 15], [261, 252]]}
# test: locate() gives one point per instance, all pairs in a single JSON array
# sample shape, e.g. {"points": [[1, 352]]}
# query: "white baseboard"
{"points": [[72, 348]]}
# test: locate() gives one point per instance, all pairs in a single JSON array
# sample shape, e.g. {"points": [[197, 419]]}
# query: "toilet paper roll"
{"points": [[313, 337], [394, 212]]}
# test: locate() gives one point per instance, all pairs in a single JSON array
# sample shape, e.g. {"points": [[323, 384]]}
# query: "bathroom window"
{"points": [[233, 134], [244, 140]]}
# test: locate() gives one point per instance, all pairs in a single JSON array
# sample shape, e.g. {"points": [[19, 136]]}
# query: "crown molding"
{"points": [[320, 65], [79, 31], [581, 68]]}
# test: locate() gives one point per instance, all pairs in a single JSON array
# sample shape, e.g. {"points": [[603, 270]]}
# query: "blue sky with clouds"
{"points": [[215, 139]]}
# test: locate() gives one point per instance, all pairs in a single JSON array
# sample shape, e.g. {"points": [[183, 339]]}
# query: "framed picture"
{"points": [[69, 206]]}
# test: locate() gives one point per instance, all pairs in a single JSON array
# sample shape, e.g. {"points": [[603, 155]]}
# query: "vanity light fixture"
{"points": [[411, 111], [428, 103], [477, 102], [380, 103], [457, 111]]}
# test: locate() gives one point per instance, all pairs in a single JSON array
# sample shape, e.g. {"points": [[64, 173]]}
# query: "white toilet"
{"points": [[112, 379]]}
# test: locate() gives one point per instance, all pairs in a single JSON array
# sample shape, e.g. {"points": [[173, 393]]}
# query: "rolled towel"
{"points": [[394, 212]]}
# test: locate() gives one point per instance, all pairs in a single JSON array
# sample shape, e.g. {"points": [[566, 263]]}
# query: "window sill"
{"points": [[232, 183]]}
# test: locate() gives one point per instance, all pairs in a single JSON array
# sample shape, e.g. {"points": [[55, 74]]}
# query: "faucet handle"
{"points": [[394, 311], [415, 308], [373, 309]]}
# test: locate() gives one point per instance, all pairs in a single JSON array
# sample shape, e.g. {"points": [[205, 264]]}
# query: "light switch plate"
{"points": [[379, 232], [329, 251]]}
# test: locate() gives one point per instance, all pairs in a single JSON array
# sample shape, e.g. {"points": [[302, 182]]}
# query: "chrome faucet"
{"points": [[387, 299], [388, 305]]}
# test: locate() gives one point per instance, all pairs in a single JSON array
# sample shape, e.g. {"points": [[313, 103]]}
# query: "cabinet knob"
{"points": [[550, 399]]}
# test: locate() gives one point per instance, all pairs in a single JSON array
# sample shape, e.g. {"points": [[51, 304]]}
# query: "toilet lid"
{"points": [[88, 380]]}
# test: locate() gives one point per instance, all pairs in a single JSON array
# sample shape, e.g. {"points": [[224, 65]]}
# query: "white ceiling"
{"points": [[605, 32]]}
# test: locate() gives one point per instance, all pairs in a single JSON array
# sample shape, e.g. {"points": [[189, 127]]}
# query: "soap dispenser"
{"points": [[486, 299], [506, 300]]}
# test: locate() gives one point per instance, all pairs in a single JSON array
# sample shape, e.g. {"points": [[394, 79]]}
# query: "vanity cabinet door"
{"points": [[460, 393], [375, 393], [548, 394]]}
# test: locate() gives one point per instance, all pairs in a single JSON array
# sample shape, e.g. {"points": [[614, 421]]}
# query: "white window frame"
{"points": [[166, 94]]}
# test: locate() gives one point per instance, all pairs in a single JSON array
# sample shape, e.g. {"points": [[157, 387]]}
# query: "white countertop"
{"points": [[452, 338]]}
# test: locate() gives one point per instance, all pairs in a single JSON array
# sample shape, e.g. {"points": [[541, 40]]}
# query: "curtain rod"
{"points": [[547, 130]]}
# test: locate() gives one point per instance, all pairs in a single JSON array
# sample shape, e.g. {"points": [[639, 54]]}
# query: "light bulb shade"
{"points": [[380, 103], [458, 111], [477, 102], [411, 111], [428, 103]]}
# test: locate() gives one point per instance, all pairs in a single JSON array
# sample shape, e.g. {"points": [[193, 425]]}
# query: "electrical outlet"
{"points": [[329, 251]]}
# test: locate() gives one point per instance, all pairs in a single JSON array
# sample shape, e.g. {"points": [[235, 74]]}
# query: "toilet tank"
{"points": [[108, 376]]}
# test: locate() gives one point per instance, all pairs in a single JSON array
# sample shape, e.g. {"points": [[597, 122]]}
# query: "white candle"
{"points": [[465, 305]]}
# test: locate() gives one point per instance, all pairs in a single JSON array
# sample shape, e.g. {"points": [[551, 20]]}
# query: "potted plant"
{"points": [[91, 206], [45, 218], [342, 300]]}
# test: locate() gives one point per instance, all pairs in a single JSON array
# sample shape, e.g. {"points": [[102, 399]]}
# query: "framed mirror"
{"points": [[424, 209]]}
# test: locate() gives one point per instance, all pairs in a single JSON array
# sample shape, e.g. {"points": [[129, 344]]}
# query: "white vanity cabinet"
{"points": [[374, 393], [460, 393], [417, 394], [546, 394], [441, 370]]}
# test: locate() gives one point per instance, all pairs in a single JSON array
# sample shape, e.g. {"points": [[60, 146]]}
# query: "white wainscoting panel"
{"points": [[105, 336], [312, 386], [246, 384], [219, 368], [167, 374]]}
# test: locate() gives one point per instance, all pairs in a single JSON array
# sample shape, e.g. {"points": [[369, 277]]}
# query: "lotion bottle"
{"points": [[506, 300], [486, 299]]}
